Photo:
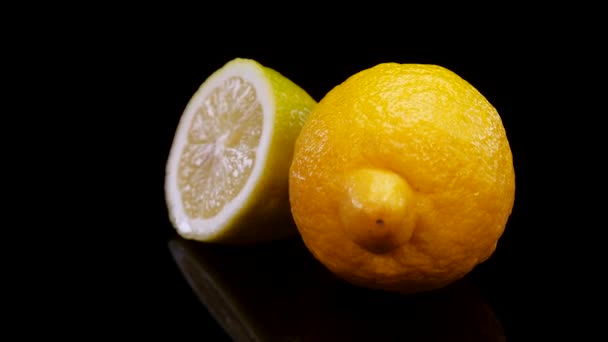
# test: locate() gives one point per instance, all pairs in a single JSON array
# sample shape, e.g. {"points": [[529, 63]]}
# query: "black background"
{"points": [[139, 80]]}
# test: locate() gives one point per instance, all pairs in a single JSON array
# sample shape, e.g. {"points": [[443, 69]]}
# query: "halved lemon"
{"points": [[228, 168]]}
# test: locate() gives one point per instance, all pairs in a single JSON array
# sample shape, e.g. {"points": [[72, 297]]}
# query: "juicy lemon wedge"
{"points": [[227, 172]]}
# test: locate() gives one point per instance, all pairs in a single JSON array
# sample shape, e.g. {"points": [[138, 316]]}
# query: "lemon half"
{"points": [[227, 172]]}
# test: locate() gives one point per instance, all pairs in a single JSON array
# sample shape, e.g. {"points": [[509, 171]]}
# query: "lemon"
{"points": [[402, 178], [227, 172]]}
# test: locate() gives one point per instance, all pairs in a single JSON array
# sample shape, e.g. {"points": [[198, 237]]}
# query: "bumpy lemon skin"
{"points": [[437, 133]]}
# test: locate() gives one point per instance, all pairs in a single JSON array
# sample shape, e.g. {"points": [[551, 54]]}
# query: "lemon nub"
{"points": [[221, 148], [377, 209]]}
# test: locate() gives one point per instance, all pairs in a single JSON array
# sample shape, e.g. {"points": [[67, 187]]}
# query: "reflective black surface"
{"points": [[278, 292]]}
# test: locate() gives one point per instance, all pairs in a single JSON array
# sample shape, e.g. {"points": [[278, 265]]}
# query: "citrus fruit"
{"points": [[227, 172], [402, 178]]}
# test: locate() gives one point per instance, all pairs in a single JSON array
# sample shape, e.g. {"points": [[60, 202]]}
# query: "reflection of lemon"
{"points": [[249, 290], [227, 172], [402, 178]]}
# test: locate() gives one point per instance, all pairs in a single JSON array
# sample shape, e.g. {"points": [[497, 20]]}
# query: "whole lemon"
{"points": [[402, 178]]}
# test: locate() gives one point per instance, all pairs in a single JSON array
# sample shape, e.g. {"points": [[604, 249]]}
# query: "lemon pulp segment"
{"points": [[220, 153]]}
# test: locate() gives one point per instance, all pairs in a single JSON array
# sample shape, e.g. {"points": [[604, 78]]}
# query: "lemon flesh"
{"points": [[227, 172]]}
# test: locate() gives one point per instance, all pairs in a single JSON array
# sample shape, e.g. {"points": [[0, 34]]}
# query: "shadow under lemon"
{"points": [[278, 292]]}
